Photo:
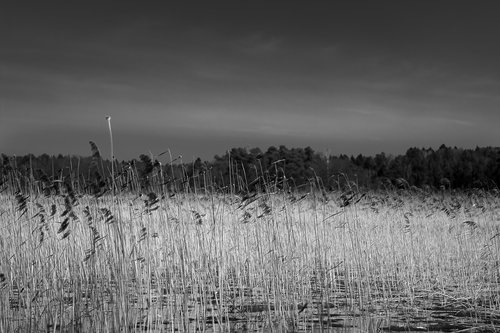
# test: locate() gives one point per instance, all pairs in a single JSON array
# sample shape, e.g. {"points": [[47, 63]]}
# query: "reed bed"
{"points": [[261, 261]]}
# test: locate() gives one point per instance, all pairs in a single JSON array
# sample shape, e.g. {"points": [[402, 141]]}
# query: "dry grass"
{"points": [[225, 262]]}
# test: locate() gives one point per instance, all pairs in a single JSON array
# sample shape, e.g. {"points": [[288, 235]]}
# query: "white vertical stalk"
{"points": [[108, 118]]}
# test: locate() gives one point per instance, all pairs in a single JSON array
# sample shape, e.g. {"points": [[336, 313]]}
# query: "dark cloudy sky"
{"points": [[199, 77]]}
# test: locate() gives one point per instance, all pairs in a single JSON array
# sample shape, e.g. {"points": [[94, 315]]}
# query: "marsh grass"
{"points": [[278, 259]]}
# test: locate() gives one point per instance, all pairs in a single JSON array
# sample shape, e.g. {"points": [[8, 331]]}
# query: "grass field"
{"points": [[284, 261]]}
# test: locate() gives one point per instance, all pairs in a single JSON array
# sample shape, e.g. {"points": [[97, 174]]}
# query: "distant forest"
{"points": [[243, 170]]}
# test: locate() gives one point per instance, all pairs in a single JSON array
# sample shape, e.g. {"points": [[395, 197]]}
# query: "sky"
{"points": [[200, 77]]}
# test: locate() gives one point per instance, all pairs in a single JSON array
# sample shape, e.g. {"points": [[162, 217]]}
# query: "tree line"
{"points": [[244, 170]]}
